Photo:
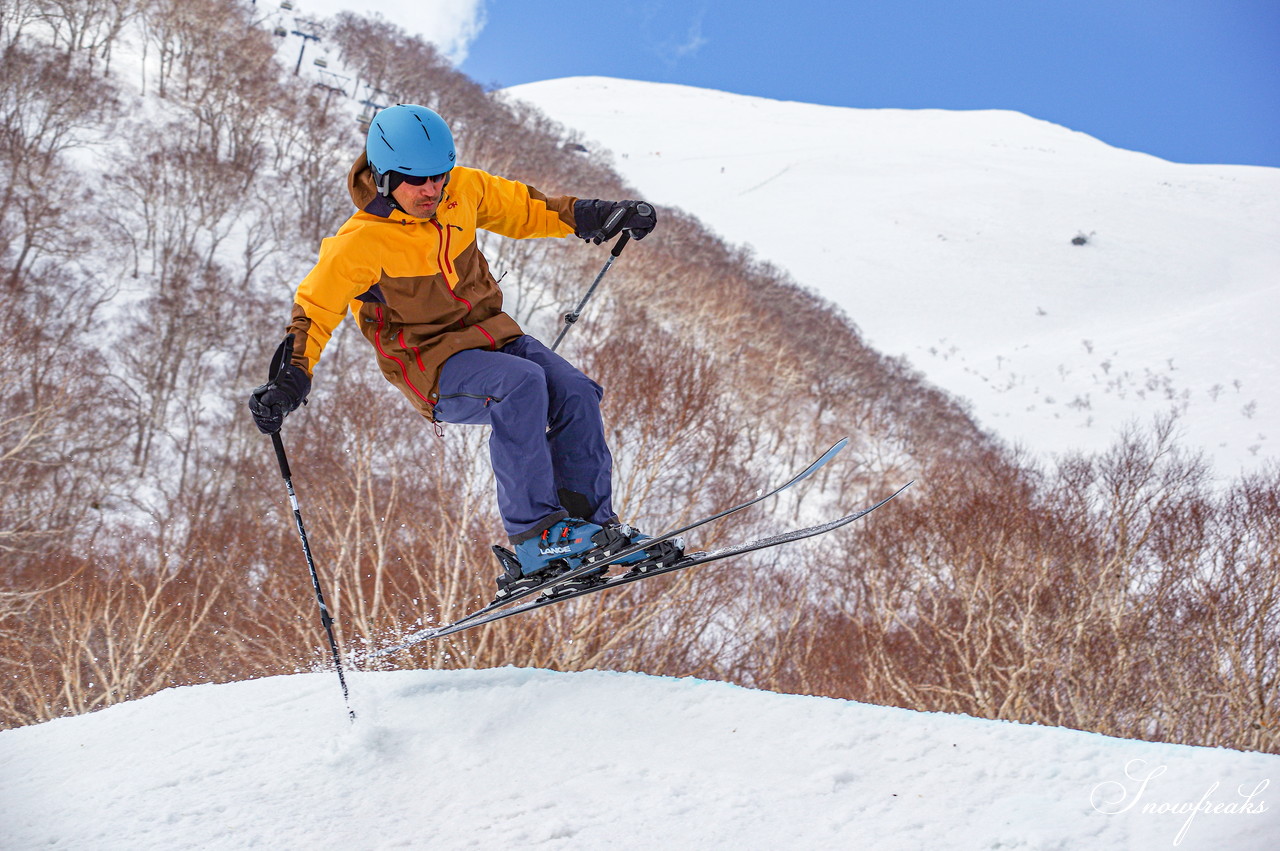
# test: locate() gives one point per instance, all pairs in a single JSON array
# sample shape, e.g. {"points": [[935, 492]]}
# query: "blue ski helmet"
{"points": [[411, 140]]}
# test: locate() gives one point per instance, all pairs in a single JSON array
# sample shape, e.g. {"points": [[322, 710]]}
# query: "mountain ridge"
{"points": [[947, 236]]}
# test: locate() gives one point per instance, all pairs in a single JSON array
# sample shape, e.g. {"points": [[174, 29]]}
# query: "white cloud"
{"points": [[693, 41], [451, 25]]}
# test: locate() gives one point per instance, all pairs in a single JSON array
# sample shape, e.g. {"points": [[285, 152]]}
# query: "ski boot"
{"points": [[539, 560]]}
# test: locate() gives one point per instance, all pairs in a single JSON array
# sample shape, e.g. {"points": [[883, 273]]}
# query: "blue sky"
{"points": [[1187, 80]]}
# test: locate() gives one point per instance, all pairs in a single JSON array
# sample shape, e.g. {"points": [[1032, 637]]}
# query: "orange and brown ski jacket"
{"points": [[419, 288]]}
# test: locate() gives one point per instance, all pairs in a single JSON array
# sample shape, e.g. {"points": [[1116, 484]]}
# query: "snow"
{"points": [[450, 25], [514, 757], [947, 237]]}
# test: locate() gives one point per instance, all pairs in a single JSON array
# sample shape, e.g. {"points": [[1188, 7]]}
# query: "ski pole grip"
{"points": [[642, 209], [621, 243]]}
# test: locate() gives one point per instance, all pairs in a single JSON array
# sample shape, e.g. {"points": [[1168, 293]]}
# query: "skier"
{"points": [[407, 265]]}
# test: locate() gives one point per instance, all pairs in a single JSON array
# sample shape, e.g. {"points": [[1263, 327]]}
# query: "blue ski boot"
{"points": [[539, 560]]}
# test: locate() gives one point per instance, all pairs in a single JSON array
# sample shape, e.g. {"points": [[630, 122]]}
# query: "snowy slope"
{"points": [[521, 758], [947, 236], [450, 25]]}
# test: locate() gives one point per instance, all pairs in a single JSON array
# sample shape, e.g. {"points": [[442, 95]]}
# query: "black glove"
{"points": [[287, 389], [600, 221]]}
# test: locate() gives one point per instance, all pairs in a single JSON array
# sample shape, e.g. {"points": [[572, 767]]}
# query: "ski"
{"points": [[588, 566], [635, 575]]}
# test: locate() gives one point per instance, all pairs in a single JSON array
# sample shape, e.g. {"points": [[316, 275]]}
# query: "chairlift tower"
{"points": [[373, 107], [305, 38], [332, 82]]}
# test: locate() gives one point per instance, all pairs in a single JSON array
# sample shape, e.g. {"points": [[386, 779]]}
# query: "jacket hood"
{"points": [[364, 193]]}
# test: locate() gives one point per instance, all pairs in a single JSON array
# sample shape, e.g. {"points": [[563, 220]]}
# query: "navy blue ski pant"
{"points": [[547, 434]]}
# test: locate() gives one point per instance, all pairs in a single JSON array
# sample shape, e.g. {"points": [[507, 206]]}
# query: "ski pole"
{"points": [[283, 356], [325, 618], [570, 318]]}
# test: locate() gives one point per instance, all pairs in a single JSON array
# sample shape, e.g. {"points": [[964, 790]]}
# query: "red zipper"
{"points": [[442, 260], [404, 370], [446, 242], [416, 355]]}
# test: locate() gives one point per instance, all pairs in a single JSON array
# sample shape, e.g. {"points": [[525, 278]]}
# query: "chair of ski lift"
{"points": [[281, 32], [287, 5], [321, 62]]}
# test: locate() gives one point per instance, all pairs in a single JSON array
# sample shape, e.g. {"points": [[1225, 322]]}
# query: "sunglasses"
{"points": [[387, 181], [418, 180]]}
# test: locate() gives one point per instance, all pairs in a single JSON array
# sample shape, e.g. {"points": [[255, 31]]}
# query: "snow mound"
{"points": [[511, 757]]}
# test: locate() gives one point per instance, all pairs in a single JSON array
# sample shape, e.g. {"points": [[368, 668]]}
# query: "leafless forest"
{"points": [[166, 182]]}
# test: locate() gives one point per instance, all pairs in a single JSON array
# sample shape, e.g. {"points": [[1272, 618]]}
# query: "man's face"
{"points": [[421, 201]]}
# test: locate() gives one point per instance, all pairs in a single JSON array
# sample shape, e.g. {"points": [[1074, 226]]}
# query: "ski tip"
{"points": [[825, 457], [897, 492], [834, 450], [829, 454]]}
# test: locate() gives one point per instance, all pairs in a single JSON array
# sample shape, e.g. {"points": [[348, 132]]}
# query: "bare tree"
{"points": [[88, 27]]}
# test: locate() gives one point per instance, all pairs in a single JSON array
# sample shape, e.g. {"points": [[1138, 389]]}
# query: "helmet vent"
{"points": [[383, 134], [424, 127]]}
